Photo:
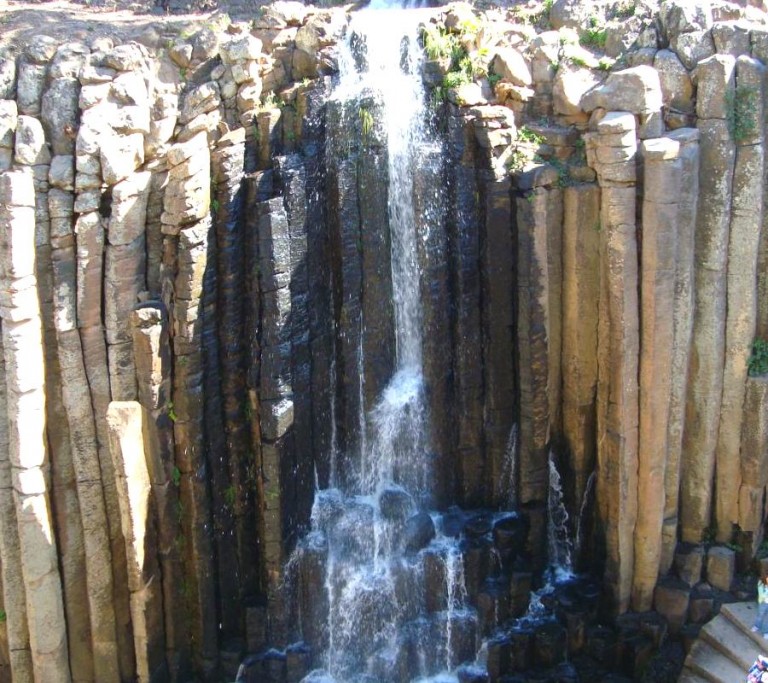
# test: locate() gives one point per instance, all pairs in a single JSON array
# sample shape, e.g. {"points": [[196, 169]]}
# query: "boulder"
{"points": [[721, 566], [419, 532], [636, 90], [511, 66], [675, 81]]}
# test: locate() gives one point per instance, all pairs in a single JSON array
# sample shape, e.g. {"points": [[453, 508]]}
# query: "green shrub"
{"points": [[758, 361]]}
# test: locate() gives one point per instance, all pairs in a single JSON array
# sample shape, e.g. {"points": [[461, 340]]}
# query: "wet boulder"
{"points": [[395, 504], [419, 532]]}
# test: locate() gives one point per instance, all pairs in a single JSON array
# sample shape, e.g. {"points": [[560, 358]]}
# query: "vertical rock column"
{"points": [[498, 324], [534, 314], [291, 176], [741, 298], [581, 291], [276, 401], [705, 384], [663, 170], [682, 316], [14, 599], [464, 245], [437, 341], [84, 444], [754, 462], [24, 365], [612, 152], [152, 355], [225, 381], [126, 443], [186, 215]]}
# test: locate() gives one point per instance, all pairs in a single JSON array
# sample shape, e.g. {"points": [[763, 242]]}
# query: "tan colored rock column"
{"points": [[754, 461], [152, 354], [84, 445], [14, 602], [126, 431], [663, 170], [612, 152], [705, 384], [23, 351], [124, 278], [741, 300], [687, 207], [581, 290]]}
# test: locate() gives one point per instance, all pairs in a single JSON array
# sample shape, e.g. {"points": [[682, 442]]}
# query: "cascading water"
{"points": [[382, 550]]}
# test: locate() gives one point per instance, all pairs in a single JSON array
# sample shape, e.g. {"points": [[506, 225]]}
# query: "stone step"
{"points": [[713, 665], [742, 614], [731, 640], [688, 676]]}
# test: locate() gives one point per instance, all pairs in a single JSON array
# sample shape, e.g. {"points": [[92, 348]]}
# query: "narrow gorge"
{"points": [[373, 344]]}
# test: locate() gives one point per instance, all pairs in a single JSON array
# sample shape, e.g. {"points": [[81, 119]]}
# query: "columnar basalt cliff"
{"points": [[200, 316]]}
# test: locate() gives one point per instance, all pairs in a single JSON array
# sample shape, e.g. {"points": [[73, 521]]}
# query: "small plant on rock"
{"points": [[594, 35], [758, 361]]}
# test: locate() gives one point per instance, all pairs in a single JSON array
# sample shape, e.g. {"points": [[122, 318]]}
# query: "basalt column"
{"points": [[754, 463], [687, 206], [227, 430], [498, 323], [538, 215], [152, 356], [705, 387], [437, 342], [464, 246], [24, 376], [14, 599], [84, 443], [741, 298], [292, 178], [581, 290], [661, 192], [187, 225], [275, 403], [344, 223], [612, 152], [133, 460]]}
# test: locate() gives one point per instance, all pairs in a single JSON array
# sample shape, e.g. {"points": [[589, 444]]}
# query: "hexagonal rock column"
{"points": [[741, 298], [612, 151], [754, 461], [152, 355], [534, 315], [24, 365], [581, 290], [132, 465], [14, 602], [186, 222], [84, 445], [705, 383], [663, 169], [687, 207]]}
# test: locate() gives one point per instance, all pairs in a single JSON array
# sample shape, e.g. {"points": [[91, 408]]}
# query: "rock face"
{"points": [[198, 323]]}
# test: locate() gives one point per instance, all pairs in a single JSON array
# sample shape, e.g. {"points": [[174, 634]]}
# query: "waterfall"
{"points": [[559, 544], [382, 548]]}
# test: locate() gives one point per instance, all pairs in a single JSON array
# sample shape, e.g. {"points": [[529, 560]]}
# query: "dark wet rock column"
{"points": [[275, 403], [498, 344], [186, 222], [464, 246]]}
